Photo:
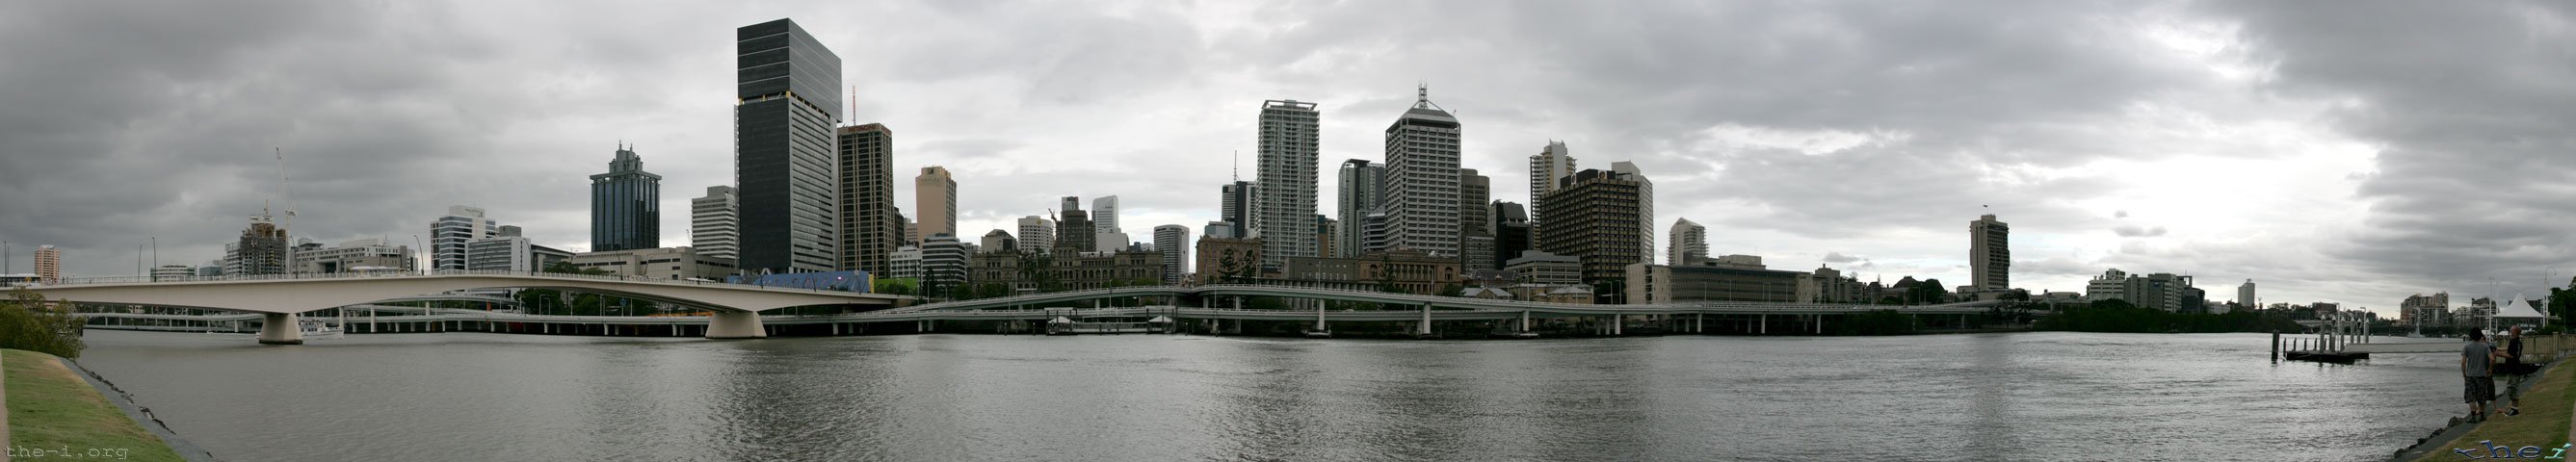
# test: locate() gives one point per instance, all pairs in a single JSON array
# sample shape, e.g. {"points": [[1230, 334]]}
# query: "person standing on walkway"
{"points": [[2512, 369], [2475, 359]]}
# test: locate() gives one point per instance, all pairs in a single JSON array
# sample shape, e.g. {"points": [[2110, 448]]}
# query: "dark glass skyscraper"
{"points": [[625, 205], [785, 164]]}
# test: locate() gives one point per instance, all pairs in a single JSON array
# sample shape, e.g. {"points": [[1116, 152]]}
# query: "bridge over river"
{"points": [[279, 301]]}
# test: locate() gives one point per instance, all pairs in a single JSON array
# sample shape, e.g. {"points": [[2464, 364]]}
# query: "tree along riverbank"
{"points": [[2119, 317]]}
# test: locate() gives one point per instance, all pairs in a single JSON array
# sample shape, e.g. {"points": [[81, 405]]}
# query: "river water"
{"points": [[2025, 396]]}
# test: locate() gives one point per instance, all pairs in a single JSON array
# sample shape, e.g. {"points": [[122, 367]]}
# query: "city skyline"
{"points": [[2229, 145]]}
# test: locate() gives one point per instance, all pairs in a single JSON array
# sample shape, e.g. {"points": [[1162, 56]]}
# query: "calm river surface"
{"points": [[2027, 396]]}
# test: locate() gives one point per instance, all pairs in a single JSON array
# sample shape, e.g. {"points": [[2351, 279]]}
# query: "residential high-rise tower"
{"points": [[1551, 164], [1284, 210], [1689, 243], [1990, 254]]}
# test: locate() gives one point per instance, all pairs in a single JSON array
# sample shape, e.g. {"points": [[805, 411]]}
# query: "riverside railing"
{"points": [[437, 273]]}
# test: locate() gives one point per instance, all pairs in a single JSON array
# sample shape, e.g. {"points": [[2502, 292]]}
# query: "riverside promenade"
{"points": [[2543, 429]]}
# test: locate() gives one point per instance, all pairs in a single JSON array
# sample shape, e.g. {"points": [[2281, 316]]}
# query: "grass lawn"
{"points": [[52, 409], [2543, 423]]}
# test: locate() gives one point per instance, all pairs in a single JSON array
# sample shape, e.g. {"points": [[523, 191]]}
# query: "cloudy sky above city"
{"points": [[2356, 154]]}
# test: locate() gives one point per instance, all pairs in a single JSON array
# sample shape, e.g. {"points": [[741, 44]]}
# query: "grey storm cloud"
{"points": [[2470, 106], [1854, 126], [2138, 231]]}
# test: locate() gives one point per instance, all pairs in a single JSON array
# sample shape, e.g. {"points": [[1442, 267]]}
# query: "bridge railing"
{"points": [[363, 275]]}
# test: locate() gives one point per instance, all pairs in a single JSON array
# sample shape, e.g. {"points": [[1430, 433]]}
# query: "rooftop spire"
{"points": [[1422, 95]]}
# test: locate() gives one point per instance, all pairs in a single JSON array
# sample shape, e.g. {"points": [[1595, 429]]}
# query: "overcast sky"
{"points": [[2354, 152]]}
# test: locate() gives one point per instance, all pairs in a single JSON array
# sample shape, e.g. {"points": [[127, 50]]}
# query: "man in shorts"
{"points": [[2513, 370], [2475, 361]]}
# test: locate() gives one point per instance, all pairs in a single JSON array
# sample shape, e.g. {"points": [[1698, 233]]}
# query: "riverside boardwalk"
{"points": [[53, 410]]}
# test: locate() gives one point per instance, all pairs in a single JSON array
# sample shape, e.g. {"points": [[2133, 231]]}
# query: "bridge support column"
{"points": [[1766, 324], [1426, 320], [1525, 321], [1618, 325], [280, 329], [735, 324]]}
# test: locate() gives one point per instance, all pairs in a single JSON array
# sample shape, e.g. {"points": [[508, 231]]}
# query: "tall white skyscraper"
{"points": [[1645, 210], [1549, 165], [1037, 233], [714, 230], [2245, 295], [1174, 242], [1283, 210], [1421, 202], [1689, 243], [449, 234], [1990, 253], [1104, 224]]}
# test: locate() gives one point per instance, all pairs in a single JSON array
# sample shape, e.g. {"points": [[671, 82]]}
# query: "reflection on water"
{"points": [[2035, 396]]}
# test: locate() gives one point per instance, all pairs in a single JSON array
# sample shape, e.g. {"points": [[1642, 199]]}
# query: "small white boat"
{"points": [[316, 329]]}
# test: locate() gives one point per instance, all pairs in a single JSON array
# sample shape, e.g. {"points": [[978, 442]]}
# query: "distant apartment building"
{"points": [[1827, 285], [2163, 291], [1595, 217], [1173, 241], [49, 264], [904, 263], [448, 236], [2421, 310], [869, 227], [1037, 233], [513, 252], [1689, 243], [1283, 209], [713, 228], [1358, 194], [1547, 169], [2245, 294], [1990, 254], [943, 263], [625, 205], [934, 197], [1106, 232]]}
